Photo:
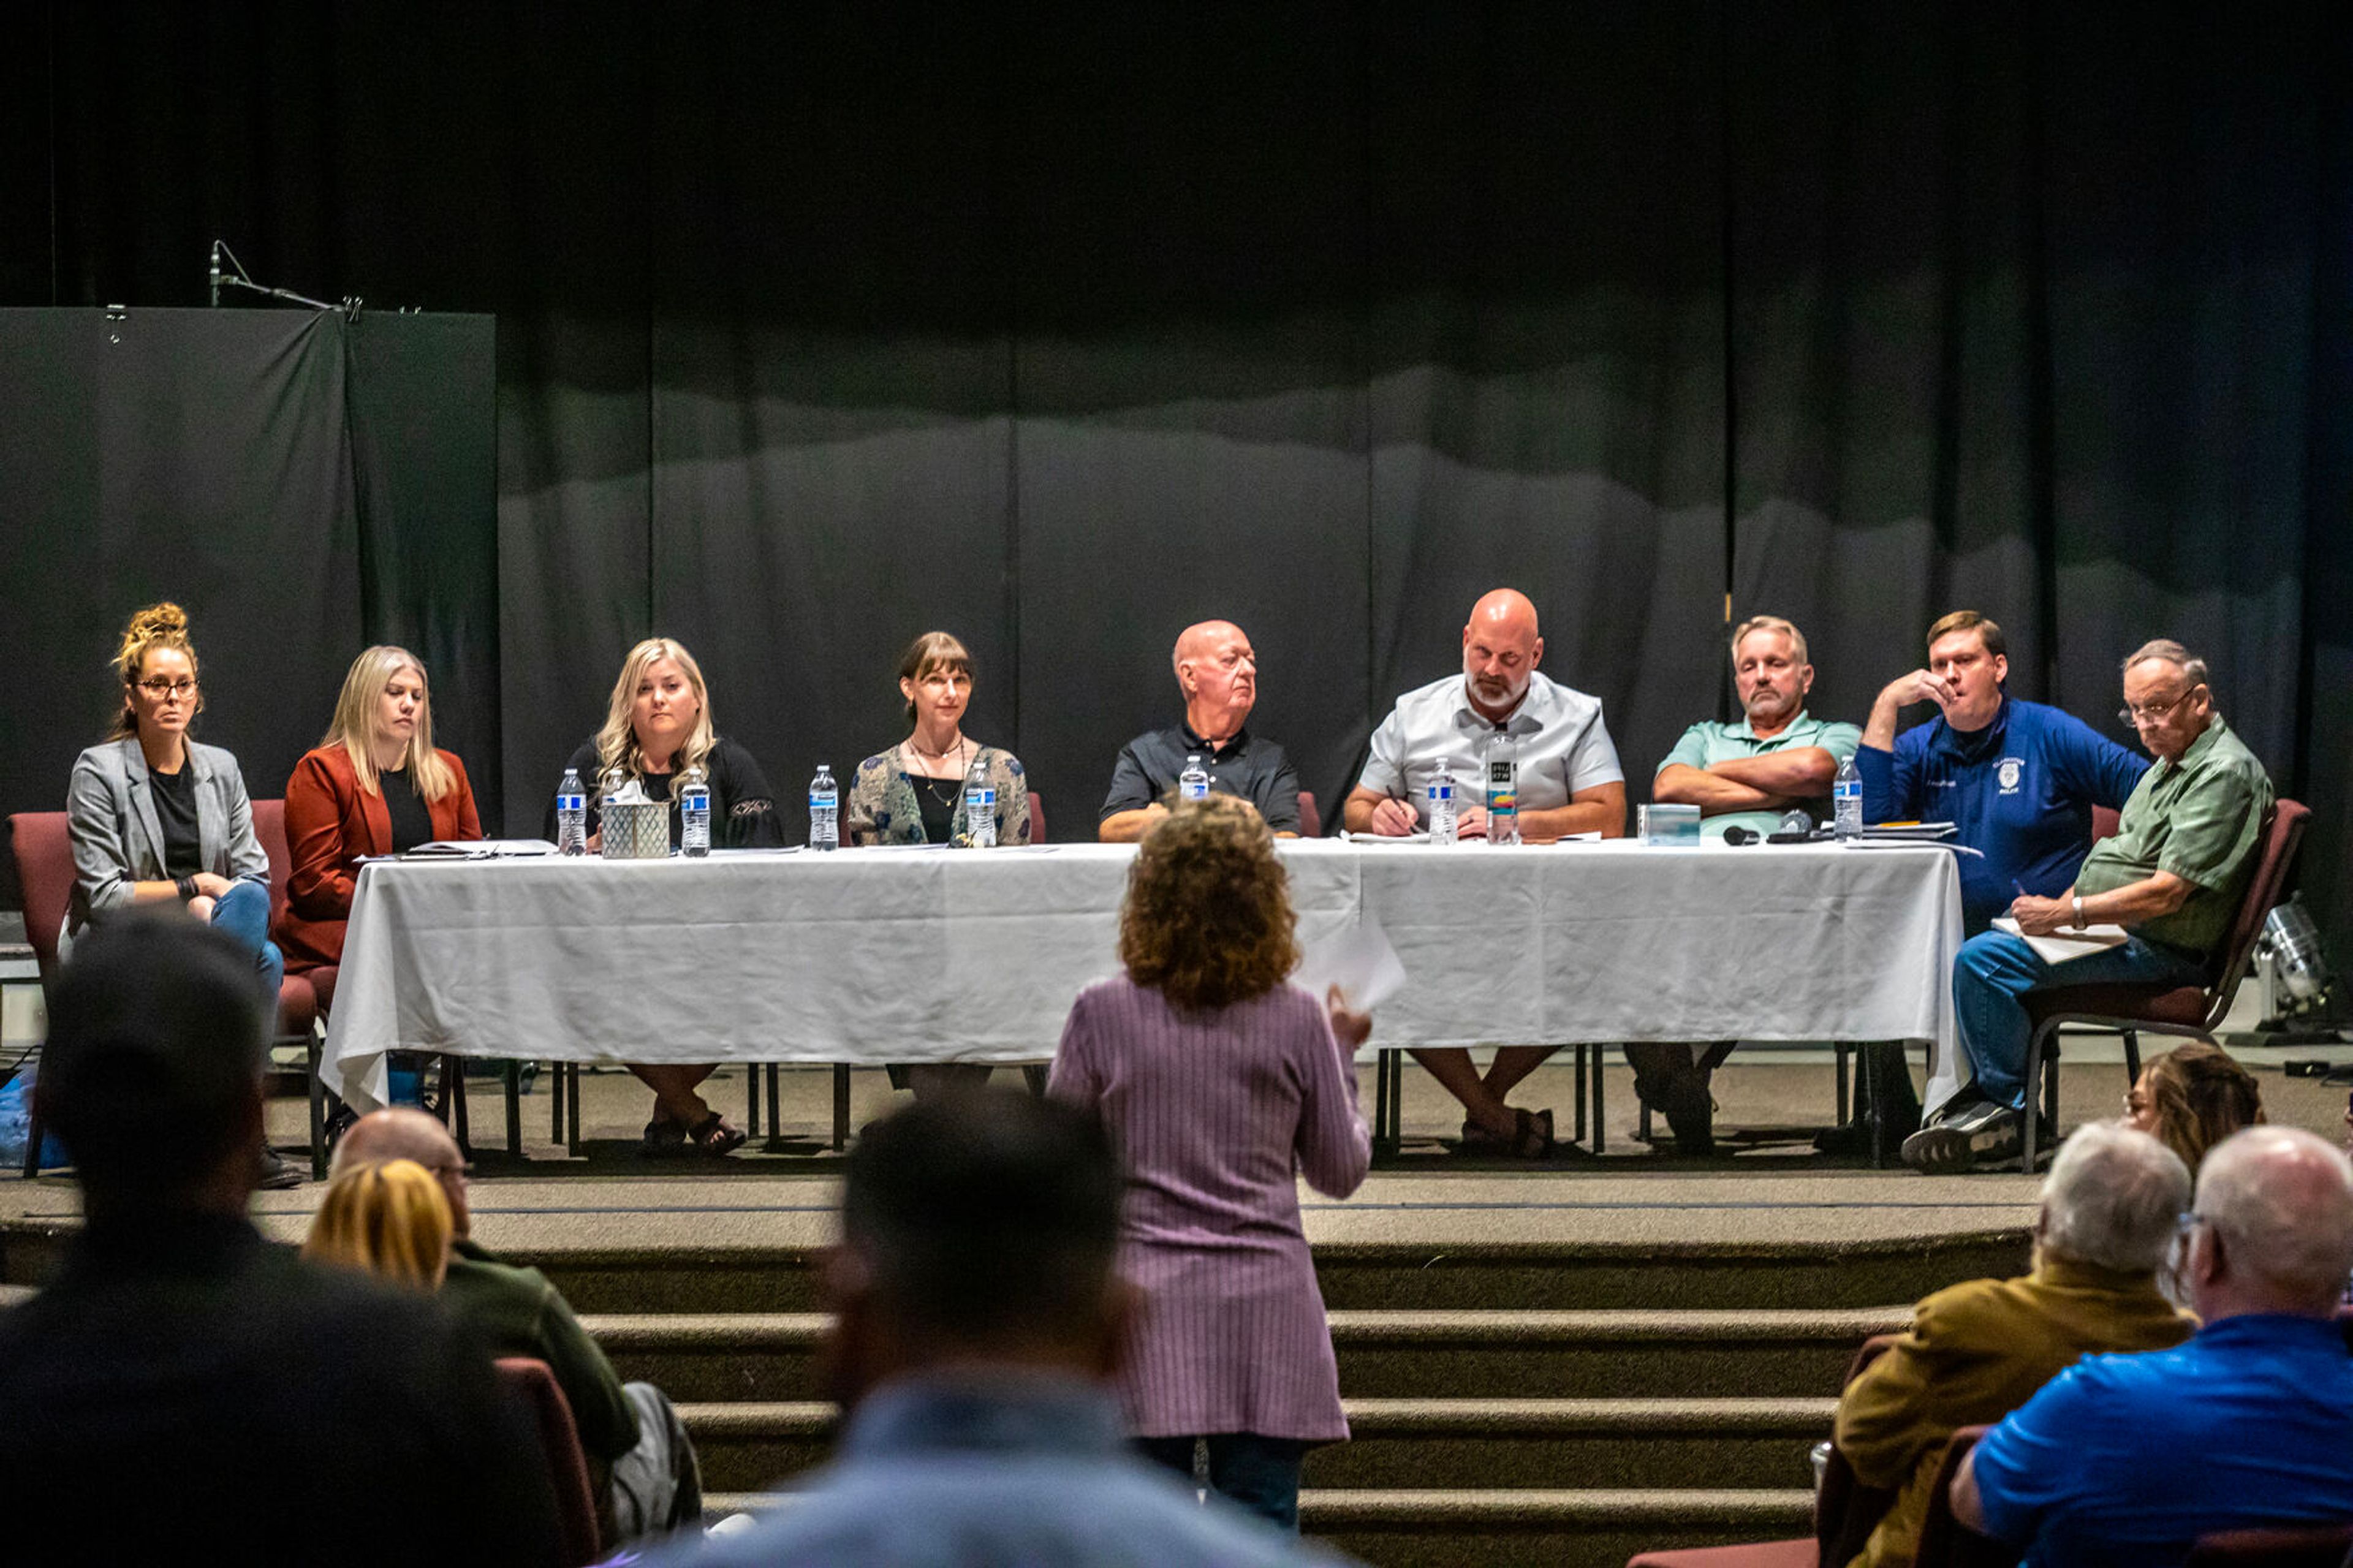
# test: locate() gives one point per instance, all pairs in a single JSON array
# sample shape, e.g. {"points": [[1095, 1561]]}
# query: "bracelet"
{"points": [[2077, 900], [186, 886]]}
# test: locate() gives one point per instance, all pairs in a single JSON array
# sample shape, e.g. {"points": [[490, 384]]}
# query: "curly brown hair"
{"points": [[2200, 1095], [1208, 920], [157, 625]]}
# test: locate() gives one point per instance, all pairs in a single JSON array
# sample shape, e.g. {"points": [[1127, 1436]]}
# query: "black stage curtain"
{"points": [[302, 485], [1059, 326]]}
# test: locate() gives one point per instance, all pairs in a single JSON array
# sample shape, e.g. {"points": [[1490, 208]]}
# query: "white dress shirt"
{"points": [[1556, 735]]}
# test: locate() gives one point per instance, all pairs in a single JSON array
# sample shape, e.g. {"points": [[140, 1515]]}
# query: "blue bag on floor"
{"points": [[16, 1123]]}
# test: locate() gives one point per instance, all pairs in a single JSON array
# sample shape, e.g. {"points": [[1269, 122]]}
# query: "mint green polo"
{"points": [[2200, 818], [1710, 741]]}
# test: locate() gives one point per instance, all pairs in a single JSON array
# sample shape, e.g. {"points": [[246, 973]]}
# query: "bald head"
{"points": [[1217, 669], [2278, 1204], [1501, 649], [402, 1133]]}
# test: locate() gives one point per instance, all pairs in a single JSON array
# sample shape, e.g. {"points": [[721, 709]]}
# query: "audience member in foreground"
{"points": [[158, 821], [641, 1464], [389, 1218], [1216, 671], [657, 729], [2129, 1459], [2172, 875], [1221, 1086], [1778, 758], [2192, 1098], [977, 1322], [1569, 782], [1977, 1352], [184, 1388]]}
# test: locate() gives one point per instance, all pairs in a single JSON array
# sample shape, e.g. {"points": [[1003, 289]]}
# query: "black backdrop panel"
{"points": [[218, 459]]}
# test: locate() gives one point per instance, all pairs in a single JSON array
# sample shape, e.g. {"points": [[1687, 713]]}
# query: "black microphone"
{"points": [[217, 244], [1738, 834]]}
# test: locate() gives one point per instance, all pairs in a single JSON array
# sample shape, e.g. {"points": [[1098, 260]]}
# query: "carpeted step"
{"points": [[1594, 1442], [1389, 1355], [1391, 1276], [1419, 1443], [1504, 1527]]}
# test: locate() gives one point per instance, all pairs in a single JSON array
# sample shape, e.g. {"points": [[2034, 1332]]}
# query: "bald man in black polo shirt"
{"points": [[1218, 673]]}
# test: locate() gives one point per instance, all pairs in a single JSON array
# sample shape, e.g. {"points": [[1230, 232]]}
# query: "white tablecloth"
{"points": [[876, 956]]}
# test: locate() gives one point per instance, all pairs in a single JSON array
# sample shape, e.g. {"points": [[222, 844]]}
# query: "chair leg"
{"points": [[1643, 1123], [775, 1116], [1842, 1108], [2043, 1086], [1599, 1129], [555, 1116], [752, 1101], [312, 1054], [571, 1128], [2132, 1058], [841, 1105], [1033, 1074]]}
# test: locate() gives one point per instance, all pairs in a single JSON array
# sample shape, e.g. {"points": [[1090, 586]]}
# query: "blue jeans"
{"points": [[1261, 1474], [1995, 972], [244, 913]]}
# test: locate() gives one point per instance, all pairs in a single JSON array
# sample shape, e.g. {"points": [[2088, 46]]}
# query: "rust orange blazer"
{"points": [[330, 824]]}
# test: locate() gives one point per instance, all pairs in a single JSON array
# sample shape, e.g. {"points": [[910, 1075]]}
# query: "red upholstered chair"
{"points": [[1945, 1541], [2190, 1012], [1845, 1513], [2324, 1546], [531, 1381], [1311, 821], [45, 872], [1036, 817], [2104, 820]]}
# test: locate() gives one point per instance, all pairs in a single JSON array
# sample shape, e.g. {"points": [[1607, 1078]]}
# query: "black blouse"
{"points": [[176, 813], [412, 824], [743, 807]]}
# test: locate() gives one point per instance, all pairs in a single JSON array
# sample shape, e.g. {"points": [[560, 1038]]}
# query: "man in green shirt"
{"points": [[642, 1469], [1778, 758], [2172, 875]]}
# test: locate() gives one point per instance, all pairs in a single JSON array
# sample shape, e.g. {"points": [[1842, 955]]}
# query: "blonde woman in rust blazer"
{"points": [[376, 786]]}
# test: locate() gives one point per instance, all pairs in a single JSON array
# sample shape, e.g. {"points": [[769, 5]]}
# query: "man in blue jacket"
{"points": [[2018, 780]]}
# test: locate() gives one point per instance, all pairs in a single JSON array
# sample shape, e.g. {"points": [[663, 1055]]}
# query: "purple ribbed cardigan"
{"points": [[1216, 1115]]}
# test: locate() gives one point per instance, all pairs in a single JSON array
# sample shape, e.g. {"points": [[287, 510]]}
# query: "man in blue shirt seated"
{"points": [[2018, 780], [976, 1318], [2129, 1459]]}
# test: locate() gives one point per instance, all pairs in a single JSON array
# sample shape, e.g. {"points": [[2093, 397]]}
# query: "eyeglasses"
{"points": [[2152, 711], [160, 689]]}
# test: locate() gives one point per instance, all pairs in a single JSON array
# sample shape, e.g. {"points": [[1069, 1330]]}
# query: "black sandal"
{"points": [[664, 1140], [714, 1136]]}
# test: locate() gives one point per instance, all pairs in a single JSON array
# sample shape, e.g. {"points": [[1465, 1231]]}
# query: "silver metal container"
{"points": [[638, 831]]}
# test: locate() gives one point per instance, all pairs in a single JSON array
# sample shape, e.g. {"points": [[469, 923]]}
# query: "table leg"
{"points": [[776, 1118], [1382, 1146], [1841, 1106], [572, 1132], [318, 1112], [1579, 1048], [515, 1106], [841, 1105], [555, 1103], [453, 1089], [1600, 1134], [751, 1100]]}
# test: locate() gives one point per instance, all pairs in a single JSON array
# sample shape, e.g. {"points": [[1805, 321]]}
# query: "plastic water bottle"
{"points": [[825, 810], [1441, 802], [1502, 792], [571, 814], [979, 808], [1193, 784], [1846, 800], [694, 814]]}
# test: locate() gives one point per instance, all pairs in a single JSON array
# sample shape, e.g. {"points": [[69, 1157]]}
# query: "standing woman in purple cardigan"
{"points": [[1221, 1085]]}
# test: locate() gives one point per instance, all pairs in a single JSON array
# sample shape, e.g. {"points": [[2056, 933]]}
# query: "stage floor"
{"points": [[1771, 1194]]}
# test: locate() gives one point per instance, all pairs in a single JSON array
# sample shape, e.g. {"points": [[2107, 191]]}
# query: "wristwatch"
{"points": [[2077, 900]]}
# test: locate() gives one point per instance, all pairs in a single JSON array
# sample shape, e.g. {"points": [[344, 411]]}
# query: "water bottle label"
{"points": [[571, 803], [1441, 791], [821, 803], [1502, 787], [984, 799]]}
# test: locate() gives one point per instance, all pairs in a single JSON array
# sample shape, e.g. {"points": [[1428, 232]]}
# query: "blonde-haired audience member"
{"points": [[387, 1218]]}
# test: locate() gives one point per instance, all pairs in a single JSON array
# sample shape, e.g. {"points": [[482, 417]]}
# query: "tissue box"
{"points": [[1667, 823]]}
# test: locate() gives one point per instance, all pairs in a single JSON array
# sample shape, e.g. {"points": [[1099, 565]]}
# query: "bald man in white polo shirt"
{"points": [[1569, 782]]}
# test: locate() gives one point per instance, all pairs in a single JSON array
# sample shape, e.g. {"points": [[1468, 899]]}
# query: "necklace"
{"points": [[953, 756]]}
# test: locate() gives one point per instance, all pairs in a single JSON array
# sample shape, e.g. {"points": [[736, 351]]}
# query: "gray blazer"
{"points": [[117, 841]]}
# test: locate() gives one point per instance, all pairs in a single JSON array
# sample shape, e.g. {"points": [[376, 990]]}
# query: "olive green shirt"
{"points": [[2200, 818], [1705, 744]]}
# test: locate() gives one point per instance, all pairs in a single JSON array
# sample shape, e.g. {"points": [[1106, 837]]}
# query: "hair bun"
{"points": [[158, 620]]}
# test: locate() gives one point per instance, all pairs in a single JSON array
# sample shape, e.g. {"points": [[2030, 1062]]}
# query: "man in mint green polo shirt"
{"points": [[1779, 757], [2172, 875]]}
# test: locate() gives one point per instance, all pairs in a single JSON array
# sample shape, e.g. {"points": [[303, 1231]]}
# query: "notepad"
{"points": [[2060, 947]]}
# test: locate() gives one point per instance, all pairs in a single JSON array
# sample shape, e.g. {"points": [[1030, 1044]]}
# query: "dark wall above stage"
{"points": [[1062, 325]]}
